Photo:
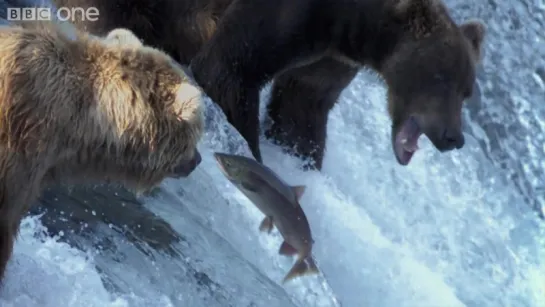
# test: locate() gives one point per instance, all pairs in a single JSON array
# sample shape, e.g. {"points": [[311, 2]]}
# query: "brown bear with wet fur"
{"points": [[79, 108], [313, 49]]}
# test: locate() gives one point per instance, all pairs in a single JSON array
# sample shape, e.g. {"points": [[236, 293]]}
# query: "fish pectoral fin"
{"points": [[299, 190], [266, 224], [286, 249], [301, 268]]}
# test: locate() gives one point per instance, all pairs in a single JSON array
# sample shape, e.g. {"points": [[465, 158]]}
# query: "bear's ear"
{"points": [[401, 8], [474, 31], [189, 102], [123, 37]]}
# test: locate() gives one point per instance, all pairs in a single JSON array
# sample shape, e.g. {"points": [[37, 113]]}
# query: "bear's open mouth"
{"points": [[405, 141]]}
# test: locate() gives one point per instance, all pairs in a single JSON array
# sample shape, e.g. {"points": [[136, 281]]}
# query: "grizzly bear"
{"points": [[312, 49], [80, 108], [426, 60]]}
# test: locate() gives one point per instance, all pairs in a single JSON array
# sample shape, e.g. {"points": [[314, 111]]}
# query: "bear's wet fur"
{"points": [[80, 108], [313, 49]]}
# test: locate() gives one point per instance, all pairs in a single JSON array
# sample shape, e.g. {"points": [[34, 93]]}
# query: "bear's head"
{"points": [[81, 108], [149, 114], [429, 74]]}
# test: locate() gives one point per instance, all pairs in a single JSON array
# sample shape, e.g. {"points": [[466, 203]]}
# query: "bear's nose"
{"points": [[197, 158], [452, 138], [187, 167]]}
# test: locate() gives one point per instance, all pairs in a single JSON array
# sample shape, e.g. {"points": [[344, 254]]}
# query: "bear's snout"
{"points": [[185, 168], [449, 138], [453, 138]]}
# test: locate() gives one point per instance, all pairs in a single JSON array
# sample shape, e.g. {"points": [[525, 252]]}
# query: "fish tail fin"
{"points": [[301, 268]]}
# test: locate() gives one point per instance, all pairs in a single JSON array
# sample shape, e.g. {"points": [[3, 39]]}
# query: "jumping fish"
{"points": [[279, 202]]}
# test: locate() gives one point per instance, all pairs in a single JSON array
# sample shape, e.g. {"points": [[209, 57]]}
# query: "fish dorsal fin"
{"points": [[299, 190]]}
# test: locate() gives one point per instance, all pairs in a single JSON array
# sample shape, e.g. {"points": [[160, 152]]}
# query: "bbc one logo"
{"points": [[45, 13]]}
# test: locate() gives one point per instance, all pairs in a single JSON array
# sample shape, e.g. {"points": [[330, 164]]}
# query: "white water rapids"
{"points": [[444, 231]]}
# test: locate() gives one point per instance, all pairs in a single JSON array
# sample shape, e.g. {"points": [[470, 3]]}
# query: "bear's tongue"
{"points": [[406, 141]]}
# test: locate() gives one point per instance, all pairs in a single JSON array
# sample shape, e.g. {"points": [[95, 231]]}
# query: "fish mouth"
{"points": [[405, 140], [218, 158]]}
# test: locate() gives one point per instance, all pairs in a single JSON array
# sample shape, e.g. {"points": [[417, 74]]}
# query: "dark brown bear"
{"points": [[313, 49]]}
